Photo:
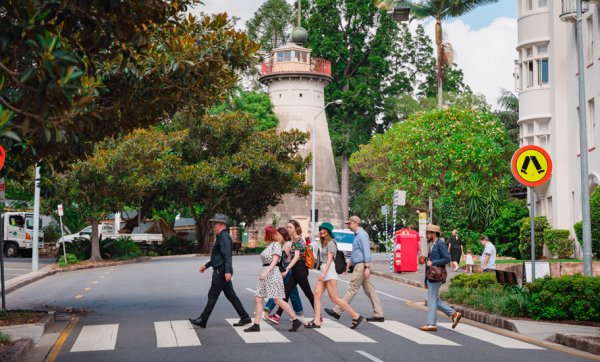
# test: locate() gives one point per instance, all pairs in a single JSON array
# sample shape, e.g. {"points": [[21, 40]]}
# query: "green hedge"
{"points": [[558, 242], [571, 297], [595, 221], [474, 281], [541, 224]]}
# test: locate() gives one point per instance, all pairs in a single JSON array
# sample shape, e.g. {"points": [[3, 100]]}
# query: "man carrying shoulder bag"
{"points": [[435, 276]]}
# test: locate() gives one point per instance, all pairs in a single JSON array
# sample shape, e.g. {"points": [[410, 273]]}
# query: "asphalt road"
{"points": [[135, 310], [13, 267]]}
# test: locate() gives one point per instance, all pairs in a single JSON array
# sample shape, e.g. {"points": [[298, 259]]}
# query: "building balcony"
{"points": [[569, 10], [314, 66]]}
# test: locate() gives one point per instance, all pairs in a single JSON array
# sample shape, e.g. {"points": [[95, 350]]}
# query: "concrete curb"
{"points": [[33, 331], [27, 279], [19, 350], [399, 279], [485, 318], [578, 342]]}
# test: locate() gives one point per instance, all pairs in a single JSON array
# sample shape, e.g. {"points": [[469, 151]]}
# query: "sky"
{"points": [[484, 41]]}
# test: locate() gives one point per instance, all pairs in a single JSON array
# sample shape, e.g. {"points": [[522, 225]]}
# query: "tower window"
{"points": [[300, 95]]}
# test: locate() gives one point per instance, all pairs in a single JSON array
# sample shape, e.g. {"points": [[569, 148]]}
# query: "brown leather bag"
{"points": [[437, 273]]}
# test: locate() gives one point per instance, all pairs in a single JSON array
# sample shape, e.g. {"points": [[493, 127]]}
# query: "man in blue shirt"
{"points": [[361, 260]]}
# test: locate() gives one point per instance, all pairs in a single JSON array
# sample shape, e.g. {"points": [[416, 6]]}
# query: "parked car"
{"points": [[107, 231], [344, 239]]}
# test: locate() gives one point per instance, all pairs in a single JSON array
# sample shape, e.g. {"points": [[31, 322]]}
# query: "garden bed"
{"points": [[15, 317]]}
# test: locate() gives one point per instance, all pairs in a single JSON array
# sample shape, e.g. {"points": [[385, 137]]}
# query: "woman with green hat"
{"points": [[329, 278]]}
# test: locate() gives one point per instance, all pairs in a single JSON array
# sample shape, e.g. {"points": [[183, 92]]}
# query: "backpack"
{"points": [[309, 258], [340, 261]]}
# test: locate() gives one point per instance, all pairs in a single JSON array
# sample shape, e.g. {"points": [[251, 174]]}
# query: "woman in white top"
{"points": [[328, 279]]}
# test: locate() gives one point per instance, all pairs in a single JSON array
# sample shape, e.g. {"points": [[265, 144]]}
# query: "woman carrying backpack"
{"points": [[329, 278], [297, 268]]}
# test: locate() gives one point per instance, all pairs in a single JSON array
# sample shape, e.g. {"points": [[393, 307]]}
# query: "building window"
{"points": [[300, 56], [529, 70], [549, 214], [542, 3], [543, 77], [590, 44], [528, 5], [285, 56], [591, 122]]}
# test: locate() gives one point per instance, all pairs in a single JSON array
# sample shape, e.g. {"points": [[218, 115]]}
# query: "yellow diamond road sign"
{"points": [[531, 166]]}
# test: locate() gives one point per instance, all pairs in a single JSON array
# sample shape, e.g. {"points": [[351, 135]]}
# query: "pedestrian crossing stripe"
{"points": [[414, 334], [486, 336], [96, 338], [175, 334], [267, 333], [338, 332], [181, 333]]}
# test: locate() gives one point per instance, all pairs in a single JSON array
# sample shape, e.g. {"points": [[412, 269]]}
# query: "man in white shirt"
{"points": [[488, 258]]}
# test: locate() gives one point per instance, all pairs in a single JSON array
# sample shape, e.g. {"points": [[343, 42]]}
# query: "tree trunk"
{"points": [[440, 61], [95, 254]]}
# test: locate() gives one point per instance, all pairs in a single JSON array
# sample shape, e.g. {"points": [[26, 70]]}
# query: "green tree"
{"points": [[70, 84], [440, 10], [442, 154], [509, 113], [257, 104], [595, 221], [358, 39], [119, 172], [271, 24]]}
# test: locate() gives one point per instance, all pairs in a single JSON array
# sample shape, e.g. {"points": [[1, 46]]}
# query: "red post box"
{"points": [[406, 250]]}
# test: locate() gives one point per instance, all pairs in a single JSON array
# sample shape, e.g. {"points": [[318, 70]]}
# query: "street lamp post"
{"points": [[313, 229]]}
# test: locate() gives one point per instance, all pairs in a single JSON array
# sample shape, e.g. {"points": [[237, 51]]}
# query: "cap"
{"points": [[220, 218]]}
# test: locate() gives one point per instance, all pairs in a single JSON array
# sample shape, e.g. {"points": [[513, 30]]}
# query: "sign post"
{"points": [[399, 200], [2, 158], [532, 167], [62, 236]]}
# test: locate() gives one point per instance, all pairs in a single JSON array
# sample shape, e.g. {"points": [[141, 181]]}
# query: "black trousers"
{"points": [[299, 277], [218, 285]]}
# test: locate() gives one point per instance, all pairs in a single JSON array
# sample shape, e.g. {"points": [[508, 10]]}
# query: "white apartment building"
{"points": [[546, 81]]}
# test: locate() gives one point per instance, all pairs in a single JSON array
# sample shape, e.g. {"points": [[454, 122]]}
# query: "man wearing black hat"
{"points": [[220, 261]]}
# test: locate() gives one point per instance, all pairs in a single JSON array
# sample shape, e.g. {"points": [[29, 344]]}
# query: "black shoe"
{"points": [[295, 325], [375, 319], [255, 328], [198, 322], [332, 313], [243, 322]]}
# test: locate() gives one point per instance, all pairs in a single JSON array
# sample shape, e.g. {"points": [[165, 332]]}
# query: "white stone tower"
{"points": [[296, 83]]}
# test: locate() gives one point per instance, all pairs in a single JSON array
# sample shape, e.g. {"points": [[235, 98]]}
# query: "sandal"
{"points": [[312, 325], [356, 322]]}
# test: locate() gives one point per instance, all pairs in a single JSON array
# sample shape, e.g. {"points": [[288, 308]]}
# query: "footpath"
{"points": [[580, 337]]}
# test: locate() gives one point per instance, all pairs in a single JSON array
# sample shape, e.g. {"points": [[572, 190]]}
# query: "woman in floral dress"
{"points": [[270, 283]]}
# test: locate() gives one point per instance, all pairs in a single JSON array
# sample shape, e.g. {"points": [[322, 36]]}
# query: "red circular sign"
{"points": [[531, 166], [2, 157]]}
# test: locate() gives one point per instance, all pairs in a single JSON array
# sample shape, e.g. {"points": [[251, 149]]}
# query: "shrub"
{"points": [[80, 247], [123, 247], [558, 242], [510, 302], [4, 338], [176, 246], [71, 259], [567, 297], [51, 232], [474, 281], [595, 221], [505, 228], [541, 224]]}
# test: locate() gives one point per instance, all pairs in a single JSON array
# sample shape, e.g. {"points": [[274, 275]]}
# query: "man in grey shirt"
{"points": [[488, 258], [361, 260]]}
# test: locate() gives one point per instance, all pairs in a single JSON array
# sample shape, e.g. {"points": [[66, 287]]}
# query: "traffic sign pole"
{"points": [[2, 158], [62, 236], [532, 222]]}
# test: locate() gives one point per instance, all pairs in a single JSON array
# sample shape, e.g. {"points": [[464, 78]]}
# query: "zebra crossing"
{"points": [[181, 333]]}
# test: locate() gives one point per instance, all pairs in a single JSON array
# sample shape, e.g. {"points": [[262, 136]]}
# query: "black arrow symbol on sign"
{"points": [[536, 163]]}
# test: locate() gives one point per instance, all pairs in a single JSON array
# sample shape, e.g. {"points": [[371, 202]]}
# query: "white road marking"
{"points": [[78, 296], [175, 334], [338, 332], [414, 334], [490, 337], [96, 338], [369, 356], [88, 288], [267, 333], [251, 290]]}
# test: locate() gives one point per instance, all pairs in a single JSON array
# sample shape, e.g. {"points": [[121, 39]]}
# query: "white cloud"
{"points": [[486, 56]]}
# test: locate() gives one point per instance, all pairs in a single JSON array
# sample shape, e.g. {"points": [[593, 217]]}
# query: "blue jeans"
{"points": [[434, 303], [294, 298]]}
